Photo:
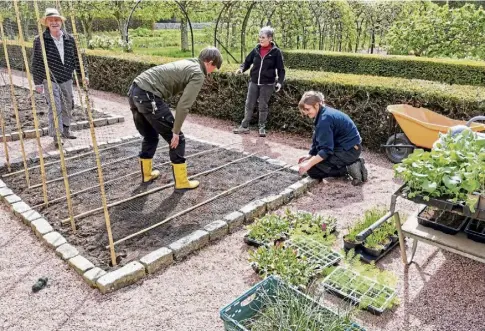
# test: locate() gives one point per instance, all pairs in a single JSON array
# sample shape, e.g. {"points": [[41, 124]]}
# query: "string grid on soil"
{"points": [[24, 105], [139, 213]]}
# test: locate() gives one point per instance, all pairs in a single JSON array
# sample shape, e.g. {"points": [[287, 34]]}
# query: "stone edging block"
{"points": [[67, 251], [216, 229], [253, 210], [186, 245], [122, 277], [157, 260], [234, 220], [80, 264], [92, 275], [54, 239], [41, 227]]}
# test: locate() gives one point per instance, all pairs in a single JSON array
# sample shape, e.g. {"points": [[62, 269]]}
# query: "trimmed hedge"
{"points": [[364, 98], [451, 71]]}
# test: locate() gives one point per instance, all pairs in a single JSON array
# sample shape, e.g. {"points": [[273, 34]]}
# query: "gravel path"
{"points": [[441, 291]]}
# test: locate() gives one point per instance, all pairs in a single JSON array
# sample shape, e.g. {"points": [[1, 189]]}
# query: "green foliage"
{"points": [[450, 71], [268, 228], [284, 262], [369, 218], [454, 169], [287, 309], [439, 31]]}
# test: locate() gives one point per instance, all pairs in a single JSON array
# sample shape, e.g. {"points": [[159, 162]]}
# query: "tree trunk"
{"points": [[243, 30], [373, 41], [359, 32], [184, 35]]}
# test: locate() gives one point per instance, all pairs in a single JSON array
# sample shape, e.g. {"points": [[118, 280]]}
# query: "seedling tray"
{"points": [[315, 252], [443, 204], [239, 314], [257, 243], [475, 230], [358, 289], [439, 226], [368, 258]]}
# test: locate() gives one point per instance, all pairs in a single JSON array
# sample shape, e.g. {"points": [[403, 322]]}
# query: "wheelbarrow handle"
{"points": [[474, 119]]}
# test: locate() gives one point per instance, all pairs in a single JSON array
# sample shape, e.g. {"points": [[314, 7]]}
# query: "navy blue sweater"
{"points": [[334, 132]]}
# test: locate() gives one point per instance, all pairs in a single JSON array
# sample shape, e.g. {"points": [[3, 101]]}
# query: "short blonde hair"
{"points": [[310, 98]]}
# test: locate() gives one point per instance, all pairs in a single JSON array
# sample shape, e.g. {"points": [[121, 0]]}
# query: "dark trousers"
{"points": [[336, 164], [151, 123], [261, 93]]}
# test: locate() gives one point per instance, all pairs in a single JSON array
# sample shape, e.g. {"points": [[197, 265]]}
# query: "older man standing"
{"points": [[62, 58]]}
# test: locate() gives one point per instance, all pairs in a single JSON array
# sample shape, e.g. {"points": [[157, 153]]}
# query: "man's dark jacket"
{"points": [[263, 70], [59, 72]]}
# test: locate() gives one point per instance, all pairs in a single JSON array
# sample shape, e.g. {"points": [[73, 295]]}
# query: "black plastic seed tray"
{"points": [[442, 227], [475, 230]]}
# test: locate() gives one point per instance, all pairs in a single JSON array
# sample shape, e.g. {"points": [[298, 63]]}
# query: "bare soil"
{"points": [[135, 215], [449, 219], [24, 105]]}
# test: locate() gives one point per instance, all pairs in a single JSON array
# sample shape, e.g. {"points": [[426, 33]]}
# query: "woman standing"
{"points": [[267, 73]]}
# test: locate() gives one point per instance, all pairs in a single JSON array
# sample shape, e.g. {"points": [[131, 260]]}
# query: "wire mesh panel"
{"points": [[362, 290]]}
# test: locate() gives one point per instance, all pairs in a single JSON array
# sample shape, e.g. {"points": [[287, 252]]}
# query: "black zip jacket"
{"points": [[263, 70], [60, 73]]}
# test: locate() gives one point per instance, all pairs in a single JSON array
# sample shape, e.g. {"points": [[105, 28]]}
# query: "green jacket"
{"points": [[172, 78]]}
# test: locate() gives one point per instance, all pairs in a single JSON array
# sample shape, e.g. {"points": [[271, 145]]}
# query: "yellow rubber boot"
{"points": [[146, 170], [180, 176]]}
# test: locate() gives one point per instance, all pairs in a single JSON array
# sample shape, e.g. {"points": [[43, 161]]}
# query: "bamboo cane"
{"points": [[95, 144], [5, 146], [56, 123], [126, 176], [198, 205], [71, 158], [85, 170], [34, 107], [93, 211], [15, 107]]}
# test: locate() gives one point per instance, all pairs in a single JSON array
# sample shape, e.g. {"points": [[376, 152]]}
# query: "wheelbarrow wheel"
{"points": [[397, 154]]}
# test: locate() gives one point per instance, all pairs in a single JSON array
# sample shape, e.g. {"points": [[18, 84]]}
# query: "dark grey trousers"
{"points": [[261, 93], [336, 164]]}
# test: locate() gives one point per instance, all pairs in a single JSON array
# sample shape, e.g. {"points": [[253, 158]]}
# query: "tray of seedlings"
{"points": [[379, 243], [441, 220], [275, 228], [362, 291], [475, 230], [297, 261], [273, 304], [449, 177]]}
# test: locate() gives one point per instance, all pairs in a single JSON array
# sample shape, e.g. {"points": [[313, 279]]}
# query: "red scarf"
{"points": [[264, 50]]}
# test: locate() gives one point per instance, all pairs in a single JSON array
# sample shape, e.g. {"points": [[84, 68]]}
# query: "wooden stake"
{"points": [[15, 106], [93, 211], [198, 205], [34, 107], [5, 145], [56, 123]]}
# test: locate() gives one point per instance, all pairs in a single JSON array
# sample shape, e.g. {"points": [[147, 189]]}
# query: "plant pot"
{"points": [[377, 251], [394, 238], [252, 242], [348, 245], [444, 221], [479, 209], [475, 230]]}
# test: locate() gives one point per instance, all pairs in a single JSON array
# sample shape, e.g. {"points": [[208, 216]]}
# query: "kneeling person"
{"points": [[152, 116], [336, 144]]}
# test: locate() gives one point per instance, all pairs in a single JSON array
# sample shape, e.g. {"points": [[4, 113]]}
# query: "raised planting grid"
{"points": [[314, 251], [158, 247], [350, 285], [24, 104]]}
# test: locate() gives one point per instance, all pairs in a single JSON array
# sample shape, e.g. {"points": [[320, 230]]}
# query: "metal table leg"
{"points": [[413, 251]]}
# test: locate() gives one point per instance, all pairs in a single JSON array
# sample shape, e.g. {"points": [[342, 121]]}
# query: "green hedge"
{"points": [[364, 98], [451, 71]]}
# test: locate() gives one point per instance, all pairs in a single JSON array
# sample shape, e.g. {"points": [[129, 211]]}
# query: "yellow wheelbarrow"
{"points": [[421, 128]]}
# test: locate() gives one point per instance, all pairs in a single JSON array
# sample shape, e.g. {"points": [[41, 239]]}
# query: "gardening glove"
{"points": [[239, 71], [39, 88], [278, 87]]}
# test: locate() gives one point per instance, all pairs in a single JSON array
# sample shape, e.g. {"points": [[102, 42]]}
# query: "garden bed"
{"points": [[134, 215], [24, 104]]}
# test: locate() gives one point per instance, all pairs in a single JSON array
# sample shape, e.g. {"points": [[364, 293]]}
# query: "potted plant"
{"points": [[377, 242], [267, 230]]}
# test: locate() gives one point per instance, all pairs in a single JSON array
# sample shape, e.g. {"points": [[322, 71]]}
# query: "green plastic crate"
{"points": [[247, 305]]}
